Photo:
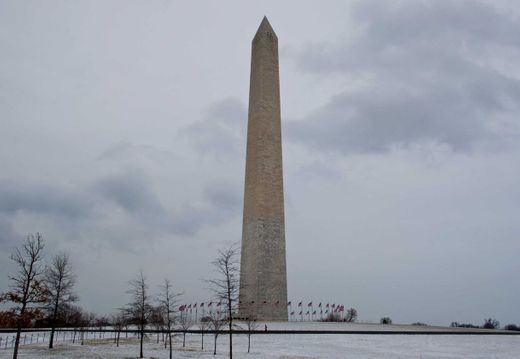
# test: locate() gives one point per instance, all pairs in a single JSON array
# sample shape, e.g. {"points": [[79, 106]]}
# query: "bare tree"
{"points": [[185, 324], [252, 325], [139, 308], [351, 316], [203, 326], [85, 322], [385, 320], [60, 281], [491, 323], [118, 322], [217, 323], [26, 290], [157, 320], [167, 303], [226, 285]]}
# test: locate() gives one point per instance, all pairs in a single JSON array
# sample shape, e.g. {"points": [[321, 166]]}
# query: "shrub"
{"points": [[386, 320], [463, 325], [351, 315], [332, 317], [491, 323], [512, 327]]}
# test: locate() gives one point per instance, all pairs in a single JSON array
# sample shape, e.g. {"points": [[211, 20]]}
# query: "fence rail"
{"points": [[272, 331]]}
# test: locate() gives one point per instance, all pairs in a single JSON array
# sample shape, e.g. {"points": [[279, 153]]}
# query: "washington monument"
{"points": [[263, 276]]}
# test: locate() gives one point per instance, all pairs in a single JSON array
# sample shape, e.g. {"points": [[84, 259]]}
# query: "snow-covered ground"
{"points": [[294, 346]]}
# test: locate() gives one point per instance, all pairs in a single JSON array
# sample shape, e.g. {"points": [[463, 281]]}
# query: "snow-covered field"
{"points": [[294, 346]]}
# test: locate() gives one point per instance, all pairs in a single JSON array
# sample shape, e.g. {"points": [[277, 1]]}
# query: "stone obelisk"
{"points": [[263, 275]]}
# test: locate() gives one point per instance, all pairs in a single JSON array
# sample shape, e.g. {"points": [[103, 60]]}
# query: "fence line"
{"points": [[39, 335]]}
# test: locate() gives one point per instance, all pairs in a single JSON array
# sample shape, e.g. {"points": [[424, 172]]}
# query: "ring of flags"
{"points": [[320, 312]]}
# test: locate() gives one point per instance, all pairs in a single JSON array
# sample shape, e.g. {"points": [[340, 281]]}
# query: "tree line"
{"points": [[42, 295]]}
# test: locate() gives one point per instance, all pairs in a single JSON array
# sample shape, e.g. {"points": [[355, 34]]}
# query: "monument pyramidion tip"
{"points": [[265, 28]]}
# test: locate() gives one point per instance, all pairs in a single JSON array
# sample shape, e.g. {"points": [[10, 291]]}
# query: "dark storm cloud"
{"points": [[416, 71], [221, 131]]}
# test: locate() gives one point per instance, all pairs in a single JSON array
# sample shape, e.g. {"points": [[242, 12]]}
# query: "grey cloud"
{"points": [[88, 211], [40, 199], [412, 76], [221, 131], [128, 151], [221, 204], [131, 191], [8, 235], [224, 195]]}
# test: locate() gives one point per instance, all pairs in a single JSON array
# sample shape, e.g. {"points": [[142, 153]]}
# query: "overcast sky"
{"points": [[122, 140]]}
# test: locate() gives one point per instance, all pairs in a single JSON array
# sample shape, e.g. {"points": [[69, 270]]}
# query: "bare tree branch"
{"points": [[59, 281], [139, 309], [26, 290], [168, 302], [226, 285]]}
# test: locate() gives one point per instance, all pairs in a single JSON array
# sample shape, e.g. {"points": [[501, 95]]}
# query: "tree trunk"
{"points": [[215, 346], [230, 338], [230, 314], [183, 339], [118, 335], [51, 339], [17, 342], [170, 340], [248, 342], [141, 343], [202, 341]]}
